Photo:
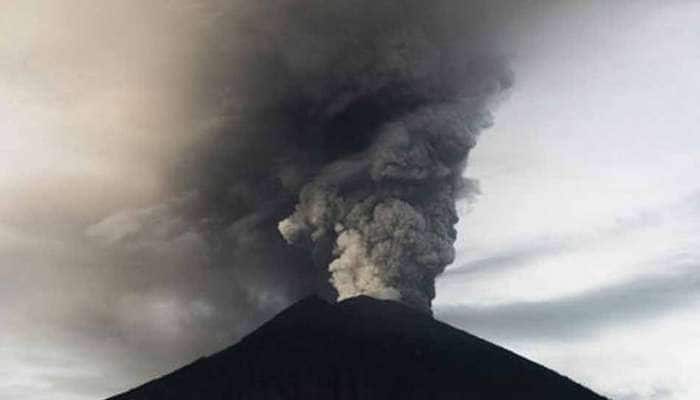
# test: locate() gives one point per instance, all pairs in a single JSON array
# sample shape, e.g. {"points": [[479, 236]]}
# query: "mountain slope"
{"points": [[361, 348]]}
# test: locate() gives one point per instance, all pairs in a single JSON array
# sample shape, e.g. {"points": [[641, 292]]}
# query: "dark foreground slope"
{"points": [[360, 349]]}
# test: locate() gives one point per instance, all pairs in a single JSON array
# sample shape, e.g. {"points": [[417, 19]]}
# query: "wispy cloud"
{"points": [[584, 314]]}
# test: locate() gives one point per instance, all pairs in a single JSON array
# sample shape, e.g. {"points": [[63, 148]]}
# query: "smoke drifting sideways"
{"points": [[333, 137], [394, 133]]}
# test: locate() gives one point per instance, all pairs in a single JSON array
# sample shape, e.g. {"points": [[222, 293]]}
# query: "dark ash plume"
{"points": [[346, 125]]}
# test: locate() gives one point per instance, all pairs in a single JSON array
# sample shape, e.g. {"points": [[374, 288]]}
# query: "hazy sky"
{"points": [[582, 252]]}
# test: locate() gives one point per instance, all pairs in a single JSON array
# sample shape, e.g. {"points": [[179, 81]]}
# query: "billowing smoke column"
{"points": [[389, 210], [346, 125]]}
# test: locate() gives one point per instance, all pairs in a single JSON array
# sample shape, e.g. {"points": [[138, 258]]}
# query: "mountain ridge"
{"points": [[361, 348]]}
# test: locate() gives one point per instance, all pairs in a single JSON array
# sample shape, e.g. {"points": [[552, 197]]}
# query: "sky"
{"points": [[581, 252]]}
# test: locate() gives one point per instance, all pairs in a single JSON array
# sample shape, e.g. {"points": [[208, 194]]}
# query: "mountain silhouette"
{"points": [[361, 348]]}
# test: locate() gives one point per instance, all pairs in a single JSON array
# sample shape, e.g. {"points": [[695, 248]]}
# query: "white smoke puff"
{"points": [[353, 273], [292, 228]]}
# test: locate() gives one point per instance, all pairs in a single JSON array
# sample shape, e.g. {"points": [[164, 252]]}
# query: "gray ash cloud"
{"points": [[332, 137], [345, 125]]}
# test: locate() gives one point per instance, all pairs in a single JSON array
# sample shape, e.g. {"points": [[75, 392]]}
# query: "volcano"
{"points": [[361, 348]]}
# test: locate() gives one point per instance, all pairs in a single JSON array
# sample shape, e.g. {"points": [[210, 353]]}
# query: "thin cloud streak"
{"points": [[582, 315]]}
